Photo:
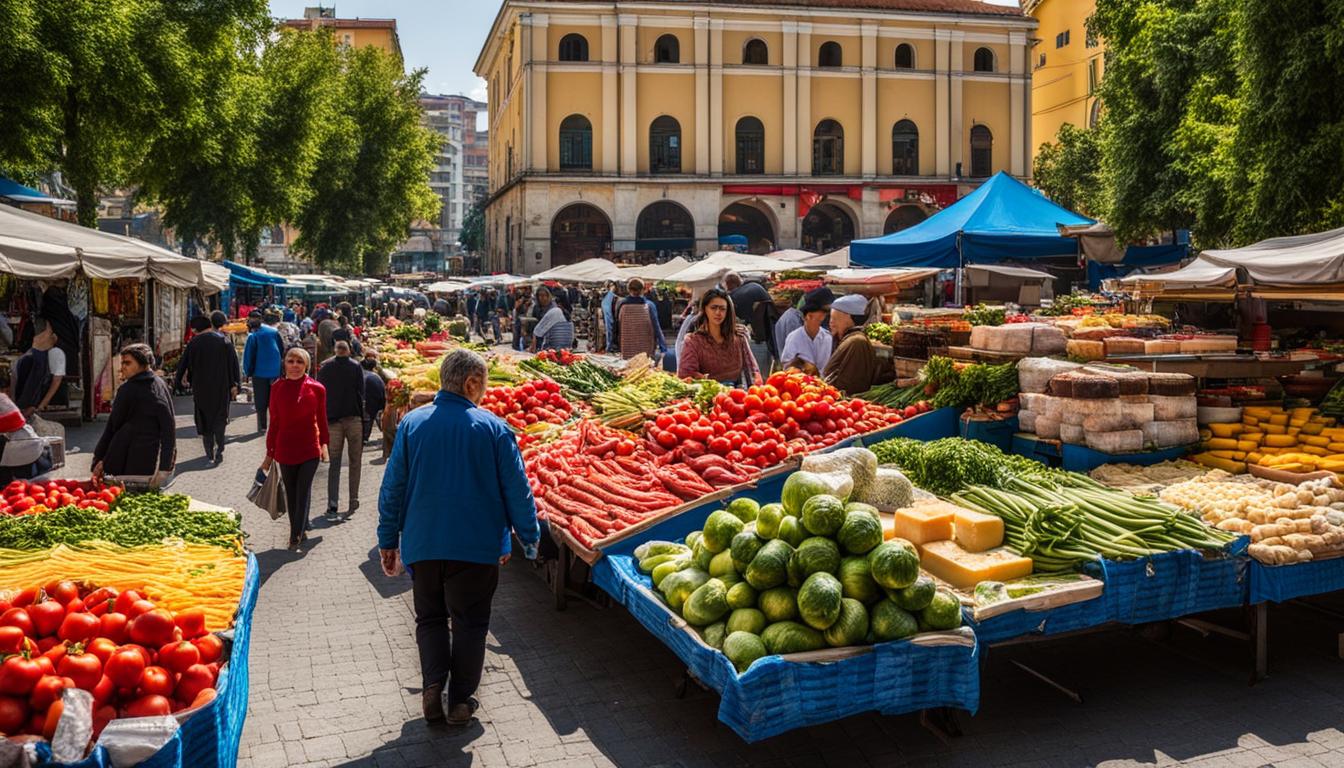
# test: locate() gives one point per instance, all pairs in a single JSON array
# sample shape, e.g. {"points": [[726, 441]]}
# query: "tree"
{"points": [[472, 237], [1069, 170], [372, 177], [91, 85]]}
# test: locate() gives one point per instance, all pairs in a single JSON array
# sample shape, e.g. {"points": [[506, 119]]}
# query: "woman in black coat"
{"points": [[140, 434]]}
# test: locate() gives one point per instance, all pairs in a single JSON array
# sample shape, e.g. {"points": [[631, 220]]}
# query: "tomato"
{"points": [[101, 647], [113, 626], [211, 648], [139, 607], [78, 627], [47, 617], [195, 679], [720, 445], [18, 676], [126, 667], [48, 690], [191, 621], [13, 715], [84, 668], [178, 656], [45, 665], [100, 595], [666, 439], [156, 680], [125, 600], [148, 706], [11, 639]]}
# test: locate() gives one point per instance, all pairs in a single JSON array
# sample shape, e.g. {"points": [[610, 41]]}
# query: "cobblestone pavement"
{"points": [[335, 677]]}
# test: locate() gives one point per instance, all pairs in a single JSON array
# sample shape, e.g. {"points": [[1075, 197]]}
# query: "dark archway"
{"points": [[752, 223], [750, 145], [905, 56], [984, 60], [573, 47], [830, 55], [579, 231], [665, 145], [903, 217], [828, 149], [667, 50], [576, 144], [827, 227], [665, 226], [982, 152], [755, 52]]}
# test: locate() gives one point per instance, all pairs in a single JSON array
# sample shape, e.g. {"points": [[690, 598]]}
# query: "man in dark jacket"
{"points": [[344, 380], [210, 365], [375, 395]]}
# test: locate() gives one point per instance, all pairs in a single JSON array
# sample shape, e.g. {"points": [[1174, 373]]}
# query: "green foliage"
{"points": [[472, 237], [1068, 171]]}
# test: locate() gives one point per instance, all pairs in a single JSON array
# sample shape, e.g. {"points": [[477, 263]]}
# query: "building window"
{"points": [[1092, 80], [750, 146], [828, 149], [667, 50], [830, 55], [1040, 62], [755, 52], [665, 145], [904, 149], [576, 144], [982, 152], [905, 56], [1062, 39], [1094, 117], [573, 47], [984, 60]]}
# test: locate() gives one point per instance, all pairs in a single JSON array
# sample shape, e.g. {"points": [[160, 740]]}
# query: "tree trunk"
{"points": [[77, 165]]}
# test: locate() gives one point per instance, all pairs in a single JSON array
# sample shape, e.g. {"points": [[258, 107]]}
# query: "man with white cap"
{"points": [[808, 347], [853, 366]]}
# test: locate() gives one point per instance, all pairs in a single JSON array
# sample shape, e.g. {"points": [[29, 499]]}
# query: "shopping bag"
{"points": [[269, 493]]}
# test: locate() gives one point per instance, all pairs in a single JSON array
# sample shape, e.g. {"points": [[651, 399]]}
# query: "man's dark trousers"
{"points": [[444, 588]]}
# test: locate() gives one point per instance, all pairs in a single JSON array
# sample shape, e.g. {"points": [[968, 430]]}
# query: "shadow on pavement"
{"points": [[372, 568], [423, 744], [273, 560]]}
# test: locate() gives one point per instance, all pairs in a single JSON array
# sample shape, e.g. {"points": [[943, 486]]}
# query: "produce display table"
{"points": [[1214, 366], [1281, 583], [1080, 458]]}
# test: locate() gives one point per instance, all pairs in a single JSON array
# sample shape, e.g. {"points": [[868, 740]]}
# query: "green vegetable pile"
{"points": [[1064, 305], [137, 519], [972, 384], [894, 396], [983, 314], [582, 378], [879, 332], [952, 464], [408, 332], [433, 322], [1333, 403], [801, 575]]}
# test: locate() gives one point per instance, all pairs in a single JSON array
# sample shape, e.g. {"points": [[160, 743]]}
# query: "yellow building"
{"points": [[662, 128], [352, 33], [1067, 66]]}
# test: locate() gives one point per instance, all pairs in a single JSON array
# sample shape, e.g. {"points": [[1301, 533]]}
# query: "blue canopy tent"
{"points": [[1003, 220], [249, 281]]}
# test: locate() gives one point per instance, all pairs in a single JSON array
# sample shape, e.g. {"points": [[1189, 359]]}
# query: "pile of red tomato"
{"points": [[135, 658], [559, 356], [22, 498], [528, 403], [791, 413]]}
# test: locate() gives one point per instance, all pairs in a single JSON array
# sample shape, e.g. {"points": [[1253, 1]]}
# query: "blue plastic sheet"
{"points": [[210, 737], [1280, 583], [1174, 584], [777, 695], [998, 433], [1078, 458], [1055, 621]]}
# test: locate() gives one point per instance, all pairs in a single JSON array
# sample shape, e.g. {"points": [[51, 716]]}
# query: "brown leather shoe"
{"points": [[431, 702], [462, 713]]}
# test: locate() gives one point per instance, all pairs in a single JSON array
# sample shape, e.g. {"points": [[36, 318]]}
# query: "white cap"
{"points": [[851, 304]]}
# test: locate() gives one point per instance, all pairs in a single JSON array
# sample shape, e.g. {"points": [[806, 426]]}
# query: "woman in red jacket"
{"points": [[297, 438]]}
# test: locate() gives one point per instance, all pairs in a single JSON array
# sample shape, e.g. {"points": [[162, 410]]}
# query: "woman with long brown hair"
{"points": [[717, 348]]}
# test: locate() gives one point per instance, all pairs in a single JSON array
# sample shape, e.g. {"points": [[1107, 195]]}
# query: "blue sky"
{"points": [[441, 35]]}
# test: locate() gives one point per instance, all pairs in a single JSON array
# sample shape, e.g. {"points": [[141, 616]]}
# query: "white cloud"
{"points": [[479, 92]]}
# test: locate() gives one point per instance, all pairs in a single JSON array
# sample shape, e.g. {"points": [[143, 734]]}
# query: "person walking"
{"points": [[209, 365], [754, 310], [297, 439], [375, 395], [326, 327], [140, 439], [637, 329], [261, 362], [344, 332], [451, 449], [609, 316], [343, 379]]}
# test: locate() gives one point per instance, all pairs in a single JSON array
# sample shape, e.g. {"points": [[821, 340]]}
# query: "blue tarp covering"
{"points": [[1136, 257], [9, 187], [248, 276], [1002, 220]]}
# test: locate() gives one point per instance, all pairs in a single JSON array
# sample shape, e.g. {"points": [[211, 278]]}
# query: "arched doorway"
{"points": [[579, 231], [903, 217], [752, 223], [665, 227], [826, 227]]}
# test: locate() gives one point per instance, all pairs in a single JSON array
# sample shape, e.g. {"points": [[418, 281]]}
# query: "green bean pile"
{"points": [[136, 520]]}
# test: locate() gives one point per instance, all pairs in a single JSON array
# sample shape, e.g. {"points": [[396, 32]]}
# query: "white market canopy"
{"points": [[719, 263], [587, 271], [807, 259], [1196, 274], [36, 247], [896, 275], [1021, 273], [1288, 261], [447, 286], [656, 272]]}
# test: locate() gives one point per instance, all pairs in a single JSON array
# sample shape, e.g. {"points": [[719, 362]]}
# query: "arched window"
{"points": [[573, 47], [750, 146], [665, 145], [984, 60], [828, 149], [982, 152], [904, 149], [755, 52], [667, 50], [1094, 117], [830, 55], [905, 56], [576, 144]]}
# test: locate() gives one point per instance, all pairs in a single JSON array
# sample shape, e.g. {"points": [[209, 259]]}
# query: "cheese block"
{"points": [[976, 531], [1161, 347], [1171, 384], [1122, 345], [1209, 344], [1085, 350], [948, 561], [925, 521]]}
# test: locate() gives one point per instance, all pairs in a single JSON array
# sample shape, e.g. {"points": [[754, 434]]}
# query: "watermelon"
{"points": [[749, 620], [720, 528], [770, 567], [714, 634], [894, 564], [850, 628], [823, 515], [768, 519], [721, 563], [860, 532], [663, 571], [915, 597], [815, 555], [745, 510], [693, 537], [791, 637], [707, 604], [701, 555], [819, 600], [779, 604], [943, 613], [798, 488], [891, 623], [744, 548], [858, 506], [741, 595], [679, 586], [743, 648], [791, 530], [857, 580]]}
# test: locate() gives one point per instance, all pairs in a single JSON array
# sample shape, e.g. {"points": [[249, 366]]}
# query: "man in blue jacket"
{"points": [[261, 362], [453, 488]]}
